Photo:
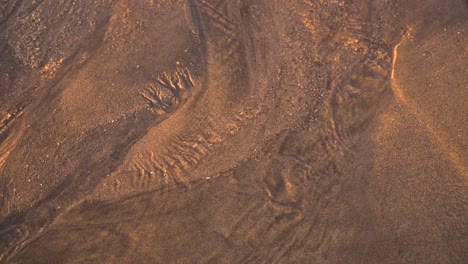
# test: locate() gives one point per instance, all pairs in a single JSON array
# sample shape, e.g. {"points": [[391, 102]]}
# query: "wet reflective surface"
{"points": [[209, 131]]}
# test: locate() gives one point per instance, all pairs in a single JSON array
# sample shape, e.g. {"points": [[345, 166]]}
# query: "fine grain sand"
{"points": [[219, 131]]}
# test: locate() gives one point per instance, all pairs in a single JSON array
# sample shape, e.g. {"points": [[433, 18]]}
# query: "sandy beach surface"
{"points": [[233, 131]]}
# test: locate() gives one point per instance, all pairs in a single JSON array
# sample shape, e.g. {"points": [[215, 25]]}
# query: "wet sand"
{"points": [[233, 131]]}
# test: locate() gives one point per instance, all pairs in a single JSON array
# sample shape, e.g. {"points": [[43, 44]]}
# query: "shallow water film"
{"points": [[233, 131]]}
